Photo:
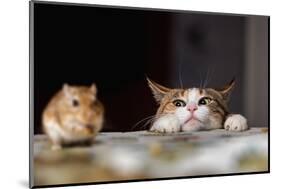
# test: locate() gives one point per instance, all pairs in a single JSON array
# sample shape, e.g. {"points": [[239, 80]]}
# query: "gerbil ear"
{"points": [[227, 89], [158, 91], [94, 89], [66, 89]]}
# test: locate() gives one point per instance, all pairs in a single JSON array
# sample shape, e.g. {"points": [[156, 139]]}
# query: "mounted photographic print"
{"points": [[121, 94]]}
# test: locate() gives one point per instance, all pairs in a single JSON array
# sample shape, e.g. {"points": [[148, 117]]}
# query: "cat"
{"points": [[194, 109]]}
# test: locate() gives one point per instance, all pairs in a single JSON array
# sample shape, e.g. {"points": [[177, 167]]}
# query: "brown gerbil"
{"points": [[73, 115]]}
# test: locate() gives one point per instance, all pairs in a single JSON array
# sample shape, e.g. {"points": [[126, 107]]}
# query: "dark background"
{"points": [[117, 48]]}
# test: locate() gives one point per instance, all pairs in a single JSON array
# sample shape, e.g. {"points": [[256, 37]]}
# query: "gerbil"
{"points": [[73, 115]]}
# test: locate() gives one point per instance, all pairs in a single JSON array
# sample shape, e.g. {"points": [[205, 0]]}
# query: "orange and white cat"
{"points": [[194, 109]]}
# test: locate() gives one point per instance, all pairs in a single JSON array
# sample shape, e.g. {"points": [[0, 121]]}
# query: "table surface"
{"points": [[144, 155]]}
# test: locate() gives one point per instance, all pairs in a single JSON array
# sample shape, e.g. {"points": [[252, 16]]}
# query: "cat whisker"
{"points": [[155, 118], [201, 80], [180, 75], [148, 120], [142, 120], [206, 78], [212, 73], [209, 76], [180, 63]]}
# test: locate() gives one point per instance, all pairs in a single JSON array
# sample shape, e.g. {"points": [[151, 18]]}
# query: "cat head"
{"points": [[196, 108]]}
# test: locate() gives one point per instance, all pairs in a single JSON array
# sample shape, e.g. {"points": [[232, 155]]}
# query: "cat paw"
{"points": [[166, 124], [236, 122]]}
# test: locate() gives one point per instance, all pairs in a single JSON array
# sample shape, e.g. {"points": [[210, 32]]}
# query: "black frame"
{"points": [[31, 93]]}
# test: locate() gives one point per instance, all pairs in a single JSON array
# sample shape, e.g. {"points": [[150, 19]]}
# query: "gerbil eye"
{"points": [[204, 101], [179, 103], [75, 103]]}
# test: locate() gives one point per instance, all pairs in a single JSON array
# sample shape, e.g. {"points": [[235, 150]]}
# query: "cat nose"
{"points": [[192, 107]]}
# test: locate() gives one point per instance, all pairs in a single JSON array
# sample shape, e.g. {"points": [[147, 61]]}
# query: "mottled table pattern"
{"points": [[144, 155]]}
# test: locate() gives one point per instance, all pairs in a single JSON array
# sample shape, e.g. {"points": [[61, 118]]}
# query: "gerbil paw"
{"points": [[166, 124], [56, 147], [236, 122]]}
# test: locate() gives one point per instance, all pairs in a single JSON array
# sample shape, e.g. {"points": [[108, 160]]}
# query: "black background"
{"points": [[117, 48], [114, 48]]}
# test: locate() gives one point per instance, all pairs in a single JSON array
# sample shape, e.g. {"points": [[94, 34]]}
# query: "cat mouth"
{"points": [[192, 118]]}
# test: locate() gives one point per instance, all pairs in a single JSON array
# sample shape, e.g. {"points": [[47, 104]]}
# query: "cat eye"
{"points": [[204, 101], [75, 103], [179, 103]]}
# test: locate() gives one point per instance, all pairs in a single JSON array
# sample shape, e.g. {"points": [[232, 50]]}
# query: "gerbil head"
{"points": [[80, 109]]}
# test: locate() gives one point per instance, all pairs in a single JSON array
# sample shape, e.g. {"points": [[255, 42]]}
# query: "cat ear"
{"points": [[94, 89], [158, 91], [227, 89]]}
